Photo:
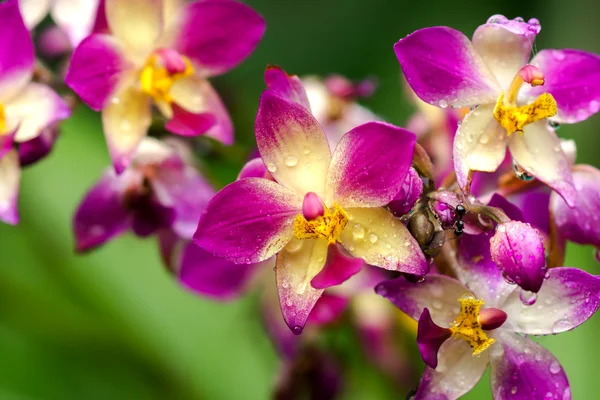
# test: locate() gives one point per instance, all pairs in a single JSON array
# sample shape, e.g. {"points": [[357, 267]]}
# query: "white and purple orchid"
{"points": [[157, 55], [29, 111], [445, 68]]}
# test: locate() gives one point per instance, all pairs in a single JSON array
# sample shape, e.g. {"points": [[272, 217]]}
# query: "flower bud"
{"points": [[532, 75], [312, 206], [518, 250], [444, 205], [411, 190], [491, 318]]}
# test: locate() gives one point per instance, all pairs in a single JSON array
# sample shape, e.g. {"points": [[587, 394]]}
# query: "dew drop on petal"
{"points": [[291, 161], [358, 231], [271, 167], [555, 367], [513, 390], [443, 103], [527, 298], [306, 150], [373, 238], [560, 326]]}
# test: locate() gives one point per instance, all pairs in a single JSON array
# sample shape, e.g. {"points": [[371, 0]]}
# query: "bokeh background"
{"points": [[113, 324]]}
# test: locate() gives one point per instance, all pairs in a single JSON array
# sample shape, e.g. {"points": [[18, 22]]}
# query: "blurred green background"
{"points": [[113, 325]]}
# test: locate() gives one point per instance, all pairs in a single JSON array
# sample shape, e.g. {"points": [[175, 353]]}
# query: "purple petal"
{"points": [[512, 211], [248, 221], [361, 174], [95, 70], [328, 309], [518, 250], [580, 224], [37, 148], [526, 370], [572, 77], [287, 86], [292, 144], [505, 46], [456, 374], [7, 142], [101, 215], [337, 269], [443, 69], [409, 193], [149, 215], [534, 205], [218, 34], [10, 178], [16, 49], [185, 123], [207, 275], [437, 293], [567, 299], [254, 168], [430, 338]]}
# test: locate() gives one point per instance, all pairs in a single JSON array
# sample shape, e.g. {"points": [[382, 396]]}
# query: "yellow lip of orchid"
{"points": [[156, 80], [328, 226], [467, 326]]}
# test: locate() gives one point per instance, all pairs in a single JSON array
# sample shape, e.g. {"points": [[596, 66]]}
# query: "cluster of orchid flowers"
{"points": [[439, 219]]}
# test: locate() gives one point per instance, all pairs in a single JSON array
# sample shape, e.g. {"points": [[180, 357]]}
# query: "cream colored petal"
{"points": [[34, 11], [75, 17], [190, 93], [10, 176], [374, 235]]}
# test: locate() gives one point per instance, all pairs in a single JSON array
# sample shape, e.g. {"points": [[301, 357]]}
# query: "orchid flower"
{"points": [[468, 323], [29, 111], [156, 56], [161, 191], [317, 201], [444, 68]]}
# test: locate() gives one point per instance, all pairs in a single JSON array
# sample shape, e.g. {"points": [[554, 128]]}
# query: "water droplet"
{"points": [[559, 55], [519, 19], [567, 394], [297, 330], [497, 19], [443, 103], [560, 326], [533, 21], [358, 231], [555, 367], [306, 150], [271, 167], [527, 298], [436, 290], [513, 390], [294, 245], [291, 161], [437, 304], [289, 303], [373, 238]]}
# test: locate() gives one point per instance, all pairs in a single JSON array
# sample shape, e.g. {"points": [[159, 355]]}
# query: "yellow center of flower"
{"points": [[156, 80], [329, 226], [2, 120], [512, 117], [466, 326]]}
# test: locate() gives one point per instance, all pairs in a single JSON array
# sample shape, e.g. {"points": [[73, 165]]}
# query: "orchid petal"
{"points": [[374, 235], [126, 120], [525, 370], [254, 168], [358, 166], [37, 148], [10, 177], [443, 69], [479, 145], [337, 269], [207, 275], [76, 17], [248, 221], [328, 309], [292, 144], [287, 86], [101, 215], [538, 151], [37, 107], [216, 34], [136, 23], [568, 297], [33, 11], [581, 223], [297, 264], [438, 293], [572, 77], [96, 69], [505, 47], [456, 374]]}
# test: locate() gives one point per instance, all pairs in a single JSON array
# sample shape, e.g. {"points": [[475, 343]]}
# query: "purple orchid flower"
{"points": [[161, 191], [157, 55], [317, 201], [489, 73], [29, 111], [481, 312]]}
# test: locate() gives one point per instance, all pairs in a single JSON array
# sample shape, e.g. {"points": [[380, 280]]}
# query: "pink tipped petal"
{"points": [[438, 293], [37, 107], [443, 69], [297, 265], [76, 17], [573, 79], [126, 120], [538, 151], [95, 70], [186, 123], [10, 177], [16, 50], [254, 168], [580, 224], [217, 34], [505, 46], [328, 309], [7, 140], [430, 338], [361, 174], [524, 370], [136, 23], [286, 86], [248, 221], [456, 374], [292, 144], [377, 237], [567, 299], [479, 145], [101, 215], [207, 275], [338, 268]]}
